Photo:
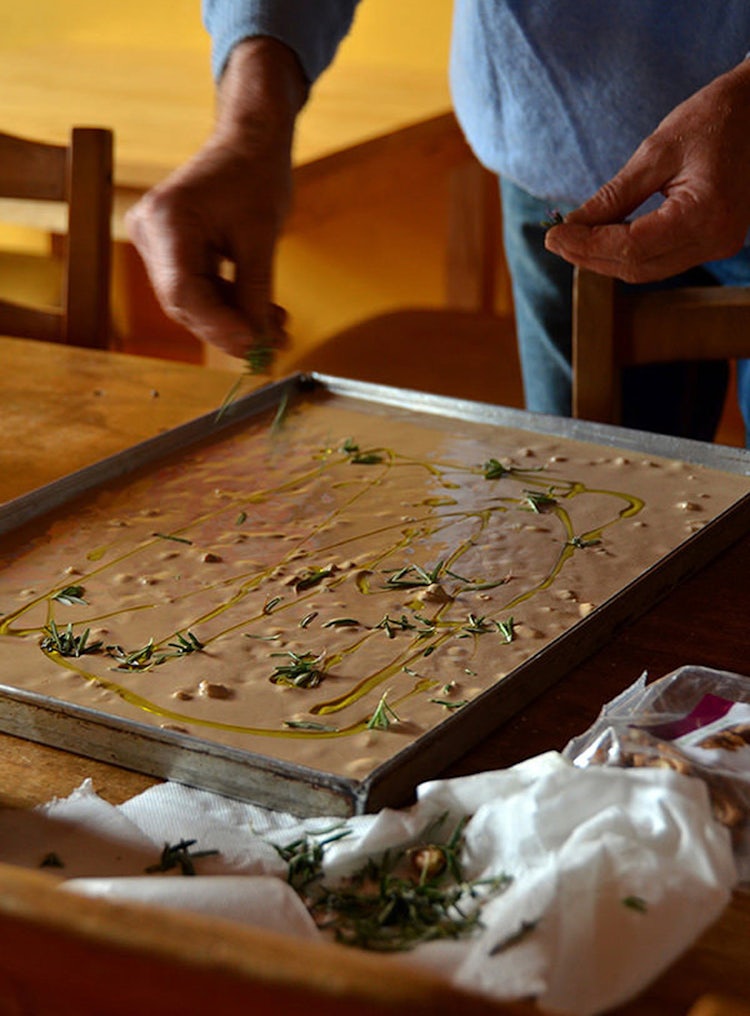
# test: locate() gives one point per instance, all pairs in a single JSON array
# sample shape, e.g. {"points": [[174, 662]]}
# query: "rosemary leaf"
{"points": [[579, 542], [507, 629], [70, 595], [383, 715], [449, 704], [310, 725], [525, 929], [636, 903], [180, 856], [312, 577], [494, 469], [303, 670]]}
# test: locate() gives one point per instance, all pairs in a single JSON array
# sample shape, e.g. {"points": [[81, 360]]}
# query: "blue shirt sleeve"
{"points": [[312, 28]]}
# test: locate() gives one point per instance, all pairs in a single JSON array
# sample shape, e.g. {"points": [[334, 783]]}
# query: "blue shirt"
{"points": [[554, 94]]}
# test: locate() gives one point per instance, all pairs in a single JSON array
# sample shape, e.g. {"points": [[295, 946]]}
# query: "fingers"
{"points": [[184, 266], [643, 251], [678, 235]]}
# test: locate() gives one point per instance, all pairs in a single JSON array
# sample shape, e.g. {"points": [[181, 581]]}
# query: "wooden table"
{"points": [[72, 406]]}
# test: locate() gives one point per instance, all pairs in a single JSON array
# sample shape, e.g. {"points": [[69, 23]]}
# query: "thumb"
{"points": [[250, 296]]}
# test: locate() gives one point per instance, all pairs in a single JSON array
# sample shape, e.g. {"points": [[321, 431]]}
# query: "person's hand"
{"points": [[228, 202], [699, 159]]}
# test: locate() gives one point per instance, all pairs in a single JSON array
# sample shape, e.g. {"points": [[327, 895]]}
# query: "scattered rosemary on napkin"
{"points": [[394, 903]]}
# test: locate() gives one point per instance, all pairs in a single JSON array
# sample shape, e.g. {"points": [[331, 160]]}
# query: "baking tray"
{"points": [[261, 777]]}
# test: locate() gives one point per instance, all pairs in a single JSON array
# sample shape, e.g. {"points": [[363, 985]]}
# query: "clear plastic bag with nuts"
{"points": [[695, 721]]}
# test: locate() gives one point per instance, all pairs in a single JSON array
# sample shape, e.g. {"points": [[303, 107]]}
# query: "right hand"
{"points": [[228, 202]]}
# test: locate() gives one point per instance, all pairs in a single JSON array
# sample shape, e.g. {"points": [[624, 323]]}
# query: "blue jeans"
{"points": [[685, 399]]}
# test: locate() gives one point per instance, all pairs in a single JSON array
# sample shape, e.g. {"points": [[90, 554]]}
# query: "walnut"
{"points": [[428, 861], [729, 740], [726, 808]]}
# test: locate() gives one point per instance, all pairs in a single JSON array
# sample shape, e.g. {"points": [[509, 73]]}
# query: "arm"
{"points": [[699, 159], [230, 200]]}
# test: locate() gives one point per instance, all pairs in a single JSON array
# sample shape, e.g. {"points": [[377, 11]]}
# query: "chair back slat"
{"points": [[80, 175]]}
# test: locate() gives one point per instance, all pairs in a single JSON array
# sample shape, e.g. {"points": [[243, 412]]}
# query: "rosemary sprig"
{"points": [[636, 903], [310, 725], [476, 626], [312, 577], [280, 415], [70, 595], [507, 629], [358, 457], [448, 703], [539, 500], [179, 855], [303, 670], [390, 625], [383, 715], [580, 543], [259, 358], [175, 539], [51, 860], [139, 659], [493, 469], [413, 576], [429, 627], [554, 218], [65, 643], [341, 622], [524, 929], [304, 857], [184, 645]]}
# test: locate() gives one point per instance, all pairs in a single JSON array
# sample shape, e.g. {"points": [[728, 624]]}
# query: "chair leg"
{"points": [[596, 377]]}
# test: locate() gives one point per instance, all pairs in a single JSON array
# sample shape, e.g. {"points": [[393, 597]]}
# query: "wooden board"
{"points": [[466, 435]]}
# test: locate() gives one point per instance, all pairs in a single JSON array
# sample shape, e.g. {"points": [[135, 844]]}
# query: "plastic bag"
{"points": [[695, 721]]}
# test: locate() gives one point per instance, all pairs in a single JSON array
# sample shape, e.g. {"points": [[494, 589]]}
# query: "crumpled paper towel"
{"points": [[581, 845]]}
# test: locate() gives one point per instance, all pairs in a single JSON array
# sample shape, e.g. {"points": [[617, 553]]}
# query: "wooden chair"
{"points": [[80, 175], [614, 327]]}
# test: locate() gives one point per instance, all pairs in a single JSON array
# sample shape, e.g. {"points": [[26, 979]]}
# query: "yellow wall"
{"points": [[412, 32]]}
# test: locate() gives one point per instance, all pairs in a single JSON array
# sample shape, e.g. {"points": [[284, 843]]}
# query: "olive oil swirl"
{"points": [[440, 516]]}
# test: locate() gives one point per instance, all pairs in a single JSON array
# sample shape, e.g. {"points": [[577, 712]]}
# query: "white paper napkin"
{"points": [[258, 900], [615, 872]]}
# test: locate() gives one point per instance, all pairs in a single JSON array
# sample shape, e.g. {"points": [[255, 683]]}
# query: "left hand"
{"points": [[699, 159]]}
